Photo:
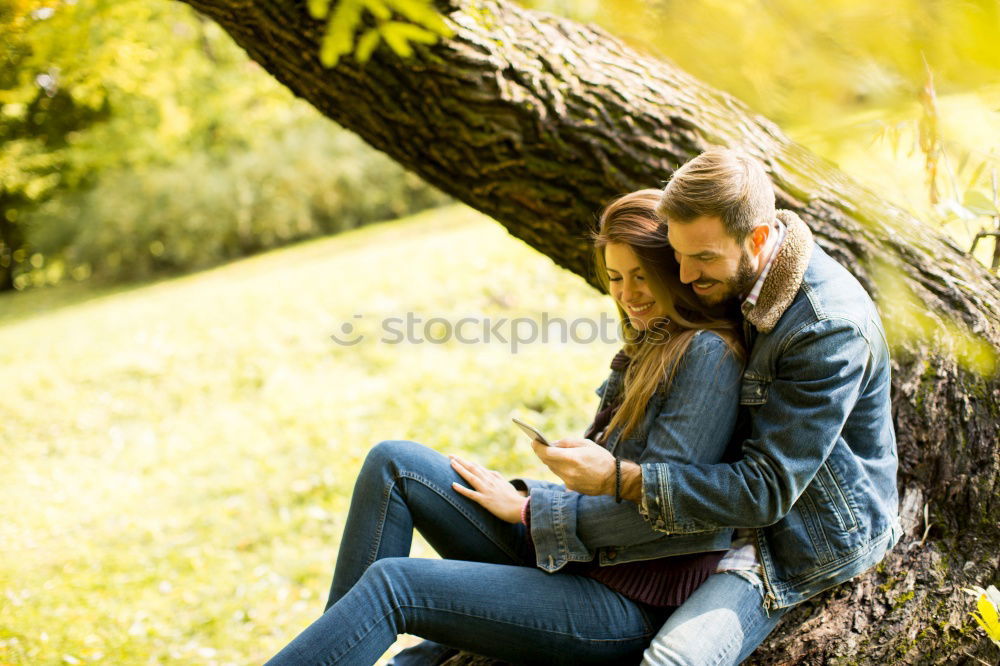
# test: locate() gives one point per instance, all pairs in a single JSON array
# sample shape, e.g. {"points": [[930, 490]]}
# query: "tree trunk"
{"points": [[538, 121]]}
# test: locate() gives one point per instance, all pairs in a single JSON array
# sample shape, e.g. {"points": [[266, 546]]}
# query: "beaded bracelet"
{"points": [[618, 480]]}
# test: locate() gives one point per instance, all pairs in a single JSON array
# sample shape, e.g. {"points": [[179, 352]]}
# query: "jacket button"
{"points": [[612, 554]]}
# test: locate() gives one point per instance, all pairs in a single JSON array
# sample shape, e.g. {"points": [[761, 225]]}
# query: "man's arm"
{"points": [[793, 433], [692, 423], [589, 469], [631, 481]]}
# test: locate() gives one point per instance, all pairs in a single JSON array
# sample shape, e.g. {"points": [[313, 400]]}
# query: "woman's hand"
{"points": [[489, 489]]}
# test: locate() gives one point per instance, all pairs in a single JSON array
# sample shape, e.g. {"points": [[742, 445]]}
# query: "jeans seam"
{"points": [[603, 641], [380, 525], [458, 507], [361, 638]]}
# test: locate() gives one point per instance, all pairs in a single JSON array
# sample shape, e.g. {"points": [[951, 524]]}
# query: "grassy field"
{"points": [[178, 457]]}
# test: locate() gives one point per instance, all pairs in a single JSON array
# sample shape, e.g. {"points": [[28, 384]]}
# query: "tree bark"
{"points": [[538, 121]]}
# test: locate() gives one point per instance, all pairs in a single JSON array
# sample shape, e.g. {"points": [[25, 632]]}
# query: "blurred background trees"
{"points": [[902, 94], [136, 139]]}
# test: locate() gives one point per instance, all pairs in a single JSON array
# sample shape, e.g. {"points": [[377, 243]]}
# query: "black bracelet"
{"points": [[618, 480]]}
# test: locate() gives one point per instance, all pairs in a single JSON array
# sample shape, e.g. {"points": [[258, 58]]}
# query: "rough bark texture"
{"points": [[538, 121]]}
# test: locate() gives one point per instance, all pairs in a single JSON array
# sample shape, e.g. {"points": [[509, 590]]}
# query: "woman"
{"points": [[531, 572]]}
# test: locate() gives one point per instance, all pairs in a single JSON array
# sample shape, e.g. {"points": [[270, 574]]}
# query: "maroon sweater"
{"points": [[662, 582]]}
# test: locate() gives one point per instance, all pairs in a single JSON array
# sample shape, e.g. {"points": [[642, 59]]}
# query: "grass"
{"points": [[178, 457]]}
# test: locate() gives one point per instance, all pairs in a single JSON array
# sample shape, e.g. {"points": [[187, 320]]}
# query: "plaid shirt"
{"points": [[742, 555]]}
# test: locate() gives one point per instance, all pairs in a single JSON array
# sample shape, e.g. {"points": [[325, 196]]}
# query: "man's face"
{"points": [[711, 261]]}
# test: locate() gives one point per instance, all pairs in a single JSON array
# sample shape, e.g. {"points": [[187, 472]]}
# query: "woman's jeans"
{"points": [[486, 596]]}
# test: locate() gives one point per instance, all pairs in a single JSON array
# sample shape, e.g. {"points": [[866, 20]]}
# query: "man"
{"points": [[813, 493]]}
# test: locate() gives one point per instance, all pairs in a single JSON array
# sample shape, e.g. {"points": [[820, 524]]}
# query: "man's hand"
{"points": [[584, 466], [589, 468]]}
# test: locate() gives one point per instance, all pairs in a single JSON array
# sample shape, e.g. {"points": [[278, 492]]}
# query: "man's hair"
{"points": [[720, 183]]}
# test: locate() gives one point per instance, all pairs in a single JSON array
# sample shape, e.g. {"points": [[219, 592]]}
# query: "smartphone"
{"points": [[531, 431]]}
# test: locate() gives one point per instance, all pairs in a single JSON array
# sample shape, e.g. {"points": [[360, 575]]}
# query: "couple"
{"points": [[683, 533]]}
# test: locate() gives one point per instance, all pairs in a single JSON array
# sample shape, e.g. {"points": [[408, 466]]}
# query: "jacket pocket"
{"points": [[831, 519], [836, 499], [800, 539], [753, 391]]}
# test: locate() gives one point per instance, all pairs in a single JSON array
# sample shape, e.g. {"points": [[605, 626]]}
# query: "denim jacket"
{"points": [[691, 421], [817, 477]]}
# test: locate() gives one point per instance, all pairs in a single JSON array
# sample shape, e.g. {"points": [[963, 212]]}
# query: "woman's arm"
{"points": [[695, 424]]}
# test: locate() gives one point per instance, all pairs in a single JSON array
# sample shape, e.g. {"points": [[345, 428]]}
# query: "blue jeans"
{"points": [[721, 623], [486, 596]]}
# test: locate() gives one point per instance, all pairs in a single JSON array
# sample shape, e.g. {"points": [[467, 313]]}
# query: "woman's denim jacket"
{"points": [[690, 422], [817, 476]]}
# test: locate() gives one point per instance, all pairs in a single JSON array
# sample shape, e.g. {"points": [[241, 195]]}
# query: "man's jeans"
{"points": [[721, 623], [486, 596]]}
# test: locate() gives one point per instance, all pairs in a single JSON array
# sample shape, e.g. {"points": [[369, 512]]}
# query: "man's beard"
{"points": [[737, 286]]}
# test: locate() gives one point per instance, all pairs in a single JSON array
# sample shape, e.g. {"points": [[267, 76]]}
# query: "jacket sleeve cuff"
{"points": [[656, 506], [553, 529], [529, 484]]}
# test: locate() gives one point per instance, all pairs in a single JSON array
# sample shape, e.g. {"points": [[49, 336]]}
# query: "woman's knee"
{"points": [[390, 583], [386, 455], [385, 571], [398, 456], [399, 577]]}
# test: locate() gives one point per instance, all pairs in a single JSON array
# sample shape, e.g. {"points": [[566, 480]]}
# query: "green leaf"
{"points": [[367, 44], [378, 9], [395, 38], [979, 203], [976, 173], [990, 616], [318, 8], [329, 53], [339, 37], [951, 208], [423, 14], [427, 25], [963, 161], [415, 33]]}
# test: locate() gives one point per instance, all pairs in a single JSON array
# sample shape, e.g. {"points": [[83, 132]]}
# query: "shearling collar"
{"points": [[785, 277]]}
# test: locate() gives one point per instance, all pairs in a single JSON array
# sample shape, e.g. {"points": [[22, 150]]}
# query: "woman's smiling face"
{"points": [[629, 286]]}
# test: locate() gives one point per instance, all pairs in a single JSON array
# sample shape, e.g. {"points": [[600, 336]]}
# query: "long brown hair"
{"points": [[655, 352]]}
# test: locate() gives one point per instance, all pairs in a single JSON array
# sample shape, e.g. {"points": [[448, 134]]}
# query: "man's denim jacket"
{"points": [[692, 421], [817, 476]]}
